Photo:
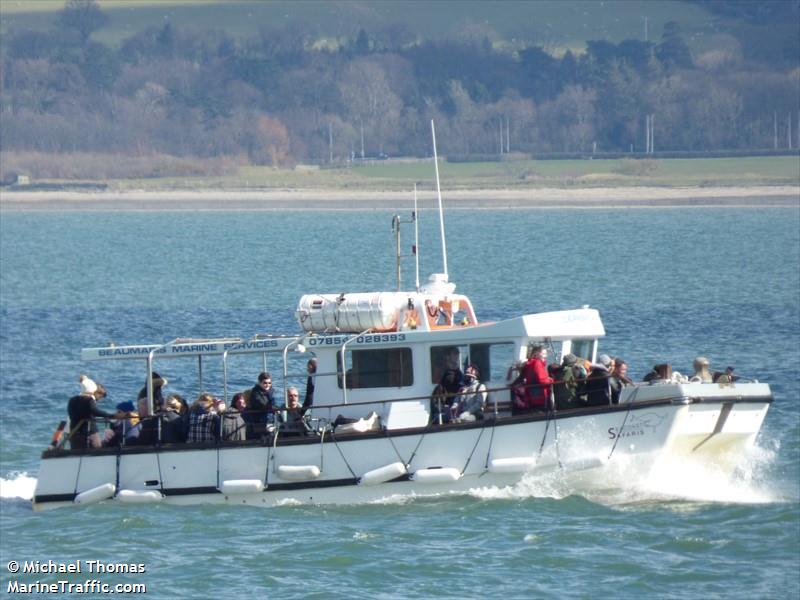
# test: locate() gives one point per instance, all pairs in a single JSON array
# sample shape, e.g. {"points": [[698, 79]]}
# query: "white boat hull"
{"points": [[702, 422]]}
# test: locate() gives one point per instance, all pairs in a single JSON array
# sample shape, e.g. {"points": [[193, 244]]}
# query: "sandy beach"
{"points": [[315, 199]]}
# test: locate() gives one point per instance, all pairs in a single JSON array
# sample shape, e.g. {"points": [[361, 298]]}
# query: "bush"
{"points": [[637, 167], [80, 165]]}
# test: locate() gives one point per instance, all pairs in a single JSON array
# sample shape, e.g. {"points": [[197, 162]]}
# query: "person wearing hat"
{"points": [[598, 383], [471, 399], [83, 410], [174, 422], [726, 377], [568, 380], [124, 431], [701, 371], [158, 397]]}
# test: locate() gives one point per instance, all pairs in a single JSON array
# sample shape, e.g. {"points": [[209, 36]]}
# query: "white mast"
{"points": [[439, 194], [416, 235]]}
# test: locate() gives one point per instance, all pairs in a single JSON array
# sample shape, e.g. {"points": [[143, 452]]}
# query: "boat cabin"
{"points": [[381, 352]]}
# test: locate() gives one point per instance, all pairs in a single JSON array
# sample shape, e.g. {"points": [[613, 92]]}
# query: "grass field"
{"points": [[401, 175], [554, 24]]}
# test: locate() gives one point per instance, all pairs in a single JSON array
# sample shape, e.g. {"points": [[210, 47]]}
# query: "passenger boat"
{"points": [[379, 356]]}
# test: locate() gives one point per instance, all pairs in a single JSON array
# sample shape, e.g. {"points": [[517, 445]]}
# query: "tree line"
{"points": [[279, 98]]}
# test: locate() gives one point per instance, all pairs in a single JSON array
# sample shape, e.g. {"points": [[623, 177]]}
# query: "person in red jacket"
{"points": [[537, 381]]}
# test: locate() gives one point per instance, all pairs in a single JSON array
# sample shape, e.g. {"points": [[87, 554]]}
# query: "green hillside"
{"points": [[554, 24], [185, 88]]}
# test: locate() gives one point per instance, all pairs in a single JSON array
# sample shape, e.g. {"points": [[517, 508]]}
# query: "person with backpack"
{"points": [[568, 383], [598, 384]]}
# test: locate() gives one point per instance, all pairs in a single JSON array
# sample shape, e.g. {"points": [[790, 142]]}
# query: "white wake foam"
{"points": [[620, 483], [18, 485]]}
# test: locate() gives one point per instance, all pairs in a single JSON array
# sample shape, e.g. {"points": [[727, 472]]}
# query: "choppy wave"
{"points": [[19, 485]]}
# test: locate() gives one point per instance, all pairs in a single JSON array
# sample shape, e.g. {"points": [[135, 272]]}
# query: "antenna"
{"points": [[416, 235], [439, 194]]}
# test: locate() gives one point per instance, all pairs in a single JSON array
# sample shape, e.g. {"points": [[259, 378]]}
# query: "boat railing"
{"points": [[322, 417]]}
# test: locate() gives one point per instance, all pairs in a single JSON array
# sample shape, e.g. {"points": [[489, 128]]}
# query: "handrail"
{"points": [[149, 382], [344, 363], [225, 370], [298, 344]]}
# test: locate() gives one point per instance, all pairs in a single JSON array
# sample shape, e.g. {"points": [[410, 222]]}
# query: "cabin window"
{"points": [[493, 360], [582, 348], [447, 357], [377, 368]]}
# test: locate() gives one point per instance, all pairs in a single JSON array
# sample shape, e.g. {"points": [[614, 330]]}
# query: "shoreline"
{"points": [[316, 199]]}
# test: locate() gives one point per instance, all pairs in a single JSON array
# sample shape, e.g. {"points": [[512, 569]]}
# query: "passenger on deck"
{"points": [[239, 402], [261, 405], [537, 381], [726, 377], [619, 379], [449, 372], [148, 426], [661, 372], [568, 383], [450, 380], [100, 392], [444, 395], [471, 399], [232, 427], [701, 371], [516, 386], [202, 420], [293, 422], [82, 410], [173, 423], [311, 369], [158, 398], [124, 430], [598, 385]]}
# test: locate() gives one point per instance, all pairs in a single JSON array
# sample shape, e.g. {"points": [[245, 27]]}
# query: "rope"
{"points": [[551, 412], [489, 449], [116, 479], [469, 458], [396, 451], [161, 478], [335, 443], [625, 420], [266, 470], [78, 476], [217, 463], [555, 433], [274, 448], [414, 453], [321, 449], [544, 437]]}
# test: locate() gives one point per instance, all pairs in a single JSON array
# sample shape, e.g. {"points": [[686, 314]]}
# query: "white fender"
{"points": [[516, 464], [241, 486], [442, 475], [299, 472], [96, 494], [140, 496], [382, 474]]}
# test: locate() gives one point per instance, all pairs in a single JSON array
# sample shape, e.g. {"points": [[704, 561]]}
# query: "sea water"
{"points": [[670, 284]]}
